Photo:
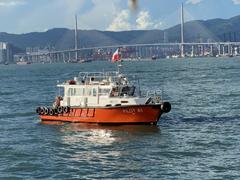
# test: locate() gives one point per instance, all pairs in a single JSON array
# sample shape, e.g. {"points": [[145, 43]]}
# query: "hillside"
{"points": [[195, 31]]}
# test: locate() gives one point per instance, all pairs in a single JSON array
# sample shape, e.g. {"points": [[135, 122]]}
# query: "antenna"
{"points": [[119, 62], [182, 31], [119, 65]]}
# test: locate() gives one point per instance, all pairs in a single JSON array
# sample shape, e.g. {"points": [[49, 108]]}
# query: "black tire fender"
{"points": [[166, 107], [46, 110], [51, 112], [66, 109], [60, 110]]}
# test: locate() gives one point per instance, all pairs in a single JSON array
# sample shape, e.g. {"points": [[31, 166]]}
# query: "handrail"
{"points": [[98, 74], [148, 93]]}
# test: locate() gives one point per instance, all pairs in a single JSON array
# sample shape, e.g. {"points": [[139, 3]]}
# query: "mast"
{"points": [[119, 62], [76, 38], [182, 31]]}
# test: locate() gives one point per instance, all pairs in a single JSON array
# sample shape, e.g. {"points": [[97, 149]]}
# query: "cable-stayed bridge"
{"points": [[136, 51]]}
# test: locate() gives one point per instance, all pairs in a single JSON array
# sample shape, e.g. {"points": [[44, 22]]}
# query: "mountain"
{"points": [[195, 31], [214, 29]]}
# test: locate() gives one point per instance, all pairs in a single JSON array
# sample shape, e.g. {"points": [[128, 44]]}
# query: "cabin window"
{"points": [[75, 92], [71, 92], [131, 91], [104, 91], [127, 90], [94, 92], [80, 91], [89, 92], [114, 92]]}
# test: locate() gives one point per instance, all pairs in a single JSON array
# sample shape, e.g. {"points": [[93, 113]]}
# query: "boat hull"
{"points": [[135, 114]]}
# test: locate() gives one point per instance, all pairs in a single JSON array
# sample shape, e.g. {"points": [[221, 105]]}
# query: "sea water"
{"points": [[198, 139]]}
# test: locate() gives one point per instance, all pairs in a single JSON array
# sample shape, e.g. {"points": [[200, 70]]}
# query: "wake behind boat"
{"points": [[104, 98]]}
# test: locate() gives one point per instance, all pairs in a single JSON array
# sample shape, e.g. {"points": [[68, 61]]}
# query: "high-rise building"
{"points": [[6, 53]]}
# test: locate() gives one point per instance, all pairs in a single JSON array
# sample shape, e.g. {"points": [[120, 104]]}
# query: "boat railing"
{"points": [[98, 76], [151, 93]]}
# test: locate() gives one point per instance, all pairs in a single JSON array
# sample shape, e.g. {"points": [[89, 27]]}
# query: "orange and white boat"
{"points": [[104, 98]]}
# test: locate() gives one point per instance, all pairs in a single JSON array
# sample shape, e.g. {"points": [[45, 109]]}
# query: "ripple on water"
{"points": [[199, 139]]}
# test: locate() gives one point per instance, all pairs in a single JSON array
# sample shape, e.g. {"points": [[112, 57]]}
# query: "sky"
{"points": [[23, 16]]}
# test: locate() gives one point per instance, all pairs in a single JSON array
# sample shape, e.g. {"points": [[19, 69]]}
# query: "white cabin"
{"points": [[100, 90]]}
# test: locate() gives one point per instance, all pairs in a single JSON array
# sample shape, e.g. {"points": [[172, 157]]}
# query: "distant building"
{"points": [[6, 53]]}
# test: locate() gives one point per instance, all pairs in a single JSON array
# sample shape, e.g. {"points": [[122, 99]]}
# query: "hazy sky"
{"points": [[22, 16]]}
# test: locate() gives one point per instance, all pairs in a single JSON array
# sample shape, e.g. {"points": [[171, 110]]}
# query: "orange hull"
{"points": [[137, 114]]}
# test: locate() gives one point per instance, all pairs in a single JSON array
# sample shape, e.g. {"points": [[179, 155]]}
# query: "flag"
{"points": [[116, 56]]}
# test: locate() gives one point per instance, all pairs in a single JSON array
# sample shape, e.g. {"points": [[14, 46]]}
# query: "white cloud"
{"points": [[144, 21], [193, 1], [11, 2], [121, 22], [236, 2], [92, 14]]}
